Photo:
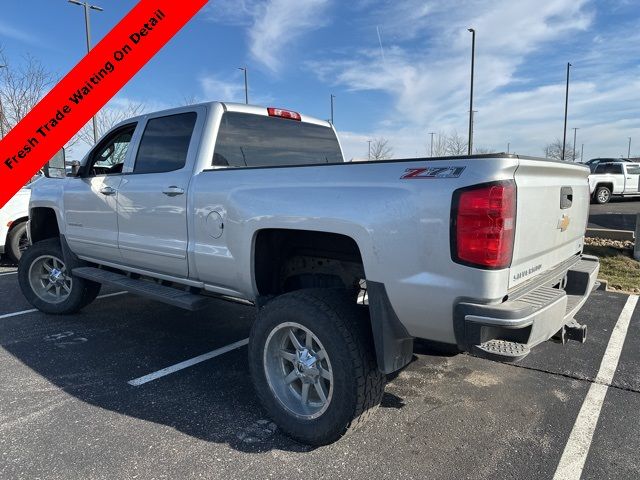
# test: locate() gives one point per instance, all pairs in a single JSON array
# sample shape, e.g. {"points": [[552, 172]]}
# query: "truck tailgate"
{"points": [[552, 211]]}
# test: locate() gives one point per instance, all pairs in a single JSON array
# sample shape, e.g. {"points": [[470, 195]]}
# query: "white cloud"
{"points": [[232, 12], [16, 34], [215, 88], [272, 25], [427, 81], [281, 22]]}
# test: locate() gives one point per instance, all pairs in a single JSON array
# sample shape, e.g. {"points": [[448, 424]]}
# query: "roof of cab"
{"points": [[229, 107]]}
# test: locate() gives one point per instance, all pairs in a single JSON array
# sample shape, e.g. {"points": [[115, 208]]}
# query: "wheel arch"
{"points": [[276, 249], [277, 253], [43, 224], [14, 223], [609, 185]]}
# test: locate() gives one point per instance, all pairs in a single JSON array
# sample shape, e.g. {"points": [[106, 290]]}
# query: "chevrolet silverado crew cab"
{"points": [[346, 263], [614, 178]]}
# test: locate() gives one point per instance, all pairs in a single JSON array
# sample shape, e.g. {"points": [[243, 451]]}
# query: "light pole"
{"points": [[332, 97], [87, 27], [566, 109], [575, 130], [432, 134], [369, 142], [629, 149], [473, 120], [508, 146], [473, 54], [582, 153], [1, 113], [246, 84]]}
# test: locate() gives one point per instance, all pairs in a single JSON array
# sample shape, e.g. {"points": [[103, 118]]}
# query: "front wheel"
{"points": [[313, 364], [47, 283], [603, 195]]}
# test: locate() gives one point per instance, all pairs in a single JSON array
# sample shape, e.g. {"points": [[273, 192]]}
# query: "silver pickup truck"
{"points": [[346, 263]]}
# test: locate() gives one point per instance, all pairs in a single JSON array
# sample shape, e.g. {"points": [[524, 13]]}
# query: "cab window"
{"points": [[246, 140], [109, 156], [165, 143], [614, 168]]}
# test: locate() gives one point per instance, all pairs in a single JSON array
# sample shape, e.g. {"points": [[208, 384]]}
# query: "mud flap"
{"points": [[394, 345]]}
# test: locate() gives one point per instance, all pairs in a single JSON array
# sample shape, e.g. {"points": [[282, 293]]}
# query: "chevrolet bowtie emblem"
{"points": [[563, 223]]}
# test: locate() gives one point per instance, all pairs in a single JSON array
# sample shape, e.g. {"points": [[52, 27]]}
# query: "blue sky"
{"points": [[411, 80]]}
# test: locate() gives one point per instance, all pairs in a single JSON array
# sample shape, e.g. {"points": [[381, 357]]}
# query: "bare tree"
{"points": [[380, 149], [439, 145], [21, 88], [554, 150], [482, 150], [107, 118], [190, 100], [456, 144]]}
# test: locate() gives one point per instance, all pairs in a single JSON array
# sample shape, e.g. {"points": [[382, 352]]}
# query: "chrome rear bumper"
{"points": [[509, 330]]}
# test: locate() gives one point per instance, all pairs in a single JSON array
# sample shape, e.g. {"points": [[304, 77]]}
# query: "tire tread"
{"points": [[350, 320]]}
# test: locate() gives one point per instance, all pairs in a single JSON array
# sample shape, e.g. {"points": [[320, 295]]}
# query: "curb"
{"points": [[605, 233]]}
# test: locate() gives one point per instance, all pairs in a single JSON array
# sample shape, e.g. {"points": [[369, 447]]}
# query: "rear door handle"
{"points": [[108, 191], [173, 191]]}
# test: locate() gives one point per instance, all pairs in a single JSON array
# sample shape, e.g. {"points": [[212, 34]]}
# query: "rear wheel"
{"points": [[47, 283], [602, 195], [17, 241], [313, 365]]}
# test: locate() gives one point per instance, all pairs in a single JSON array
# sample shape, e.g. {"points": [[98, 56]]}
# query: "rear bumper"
{"points": [[509, 330]]}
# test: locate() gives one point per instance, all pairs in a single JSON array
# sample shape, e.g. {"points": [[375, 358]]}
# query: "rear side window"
{"points": [[165, 143], [609, 168], [246, 140]]}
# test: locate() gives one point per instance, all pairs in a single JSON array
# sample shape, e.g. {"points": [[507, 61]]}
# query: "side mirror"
{"points": [[75, 168], [55, 168]]}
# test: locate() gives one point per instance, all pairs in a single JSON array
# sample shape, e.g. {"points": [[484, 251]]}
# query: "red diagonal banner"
{"points": [[88, 87]]}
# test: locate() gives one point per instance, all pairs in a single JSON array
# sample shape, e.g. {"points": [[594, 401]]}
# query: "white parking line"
{"points": [[8, 273], [187, 363], [577, 448], [31, 310]]}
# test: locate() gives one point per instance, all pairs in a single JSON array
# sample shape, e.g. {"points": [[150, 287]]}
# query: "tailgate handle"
{"points": [[566, 197]]}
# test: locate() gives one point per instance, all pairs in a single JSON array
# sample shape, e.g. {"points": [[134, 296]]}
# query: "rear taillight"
{"points": [[483, 225], [279, 112]]}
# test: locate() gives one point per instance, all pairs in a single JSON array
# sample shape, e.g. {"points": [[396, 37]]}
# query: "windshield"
{"points": [[246, 140]]}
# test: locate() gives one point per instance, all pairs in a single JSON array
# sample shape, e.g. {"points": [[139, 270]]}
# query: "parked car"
{"points": [[594, 162], [483, 253], [614, 179], [13, 223]]}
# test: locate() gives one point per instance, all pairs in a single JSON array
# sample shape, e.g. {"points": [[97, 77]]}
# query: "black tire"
{"points": [[17, 241], [82, 292], [602, 195], [343, 328]]}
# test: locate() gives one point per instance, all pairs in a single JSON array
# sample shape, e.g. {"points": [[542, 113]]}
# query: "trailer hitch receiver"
{"points": [[571, 330]]}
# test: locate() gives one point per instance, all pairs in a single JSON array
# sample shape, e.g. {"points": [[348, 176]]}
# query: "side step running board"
{"points": [[501, 350], [145, 288]]}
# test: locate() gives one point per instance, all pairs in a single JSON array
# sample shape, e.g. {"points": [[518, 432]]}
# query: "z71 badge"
{"points": [[433, 172]]}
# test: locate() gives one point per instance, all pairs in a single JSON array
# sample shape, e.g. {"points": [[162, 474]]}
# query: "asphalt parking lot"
{"points": [[618, 214], [68, 411]]}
